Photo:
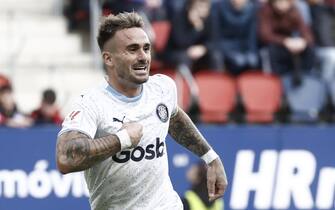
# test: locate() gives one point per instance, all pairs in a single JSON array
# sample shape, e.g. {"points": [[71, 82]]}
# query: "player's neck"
{"points": [[126, 90]]}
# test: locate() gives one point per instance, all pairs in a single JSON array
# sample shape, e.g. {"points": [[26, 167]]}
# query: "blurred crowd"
{"points": [[292, 39], [297, 35], [47, 113]]}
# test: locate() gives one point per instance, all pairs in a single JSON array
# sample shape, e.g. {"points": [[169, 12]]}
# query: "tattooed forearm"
{"points": [[185, 133], [77, 152]]}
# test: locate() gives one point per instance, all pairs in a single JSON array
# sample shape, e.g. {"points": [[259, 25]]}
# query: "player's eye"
{"points": [[147, 48], [132, 48]]}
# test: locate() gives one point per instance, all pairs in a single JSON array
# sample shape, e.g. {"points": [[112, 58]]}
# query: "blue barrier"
{"points": [[275, 167]]}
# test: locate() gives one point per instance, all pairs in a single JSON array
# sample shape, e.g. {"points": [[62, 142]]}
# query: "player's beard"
{"points": [[131, 77]]}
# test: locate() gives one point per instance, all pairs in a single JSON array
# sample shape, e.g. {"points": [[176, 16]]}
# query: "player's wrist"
{"points": [[124, 139], [209, 156]]}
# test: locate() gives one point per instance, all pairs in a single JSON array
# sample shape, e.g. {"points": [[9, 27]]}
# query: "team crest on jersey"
{"points": [[162, 112]]}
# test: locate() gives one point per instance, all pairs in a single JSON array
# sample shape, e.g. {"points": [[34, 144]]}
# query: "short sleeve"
{"points": [[83, 118], [171, 92]]}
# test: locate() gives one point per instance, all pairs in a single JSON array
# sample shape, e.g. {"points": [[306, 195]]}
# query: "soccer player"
{"points": [[116, 132]]}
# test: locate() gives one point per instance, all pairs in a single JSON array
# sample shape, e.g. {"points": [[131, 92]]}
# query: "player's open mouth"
{"points": [[140, 68]]}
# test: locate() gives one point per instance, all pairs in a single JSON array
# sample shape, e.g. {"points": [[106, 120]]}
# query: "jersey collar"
{"points": [[122, 97]]}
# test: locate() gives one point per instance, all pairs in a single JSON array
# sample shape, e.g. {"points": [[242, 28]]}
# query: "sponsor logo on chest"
{"points": [[139, 153]]}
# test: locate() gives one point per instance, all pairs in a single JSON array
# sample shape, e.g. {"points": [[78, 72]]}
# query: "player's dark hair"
{"points": [[113, 23]]}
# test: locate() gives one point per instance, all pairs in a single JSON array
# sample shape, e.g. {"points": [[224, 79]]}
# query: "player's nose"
{"points": [[143, 56]]}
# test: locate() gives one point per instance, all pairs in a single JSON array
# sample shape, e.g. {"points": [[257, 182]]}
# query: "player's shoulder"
{"points": [[91, 95], [161, 85], [162, 80]]}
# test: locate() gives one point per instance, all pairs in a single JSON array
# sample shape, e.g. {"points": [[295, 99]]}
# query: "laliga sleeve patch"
{"points": [[74, 118], [73, 115], [162, 112]]}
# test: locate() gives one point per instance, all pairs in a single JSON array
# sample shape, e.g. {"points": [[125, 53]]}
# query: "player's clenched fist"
{"points": [[135, 132]]}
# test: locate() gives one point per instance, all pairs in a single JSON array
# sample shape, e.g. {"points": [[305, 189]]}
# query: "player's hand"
{"points": [[216, 179], [135, 132]]}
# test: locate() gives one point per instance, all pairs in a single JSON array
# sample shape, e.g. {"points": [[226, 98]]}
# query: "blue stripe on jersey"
{"points": [[122, 97]]}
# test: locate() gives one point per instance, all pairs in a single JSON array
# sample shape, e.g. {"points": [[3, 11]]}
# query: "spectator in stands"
{"points": [[190, 45], [148, 9], [323, 22], [156, 9], [153, 9], [235, 28], [190, 40], [9, 114], [172, 6], [48, 112], [77, 12], [197, 196], [304, 9], [289, 39], [117, 6]]}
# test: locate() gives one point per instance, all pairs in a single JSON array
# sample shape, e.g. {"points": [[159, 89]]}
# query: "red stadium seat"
{"points": [[162, 33], [261, 95], [217, 96], [183, 89]]}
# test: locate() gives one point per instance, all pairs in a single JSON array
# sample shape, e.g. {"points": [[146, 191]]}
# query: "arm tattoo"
{"points": [[186, 134], [77, 152]]}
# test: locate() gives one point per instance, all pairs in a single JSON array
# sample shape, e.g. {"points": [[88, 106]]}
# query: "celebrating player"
{"points": [[116, 132]]}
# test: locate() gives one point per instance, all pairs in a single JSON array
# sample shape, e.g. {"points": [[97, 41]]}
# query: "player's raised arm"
{"points": [[184, 132], [76, 151]]}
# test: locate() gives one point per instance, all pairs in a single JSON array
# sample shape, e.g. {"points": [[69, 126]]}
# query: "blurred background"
{"points": [[257, 76]]}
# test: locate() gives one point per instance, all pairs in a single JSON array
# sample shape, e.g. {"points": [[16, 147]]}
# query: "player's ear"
{"points": [[107, 58]]}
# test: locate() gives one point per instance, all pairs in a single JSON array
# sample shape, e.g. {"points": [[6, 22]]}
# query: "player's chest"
{"points": [[153, 115]]}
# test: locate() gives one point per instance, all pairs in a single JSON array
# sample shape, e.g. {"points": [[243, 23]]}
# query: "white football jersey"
{"points": [[137, 178]]}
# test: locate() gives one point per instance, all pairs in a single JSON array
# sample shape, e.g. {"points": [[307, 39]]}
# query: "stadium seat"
{"points": [[261, 95], [38, 52], [28, 87], [162, 31], [217, 96], [307, 100]]}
